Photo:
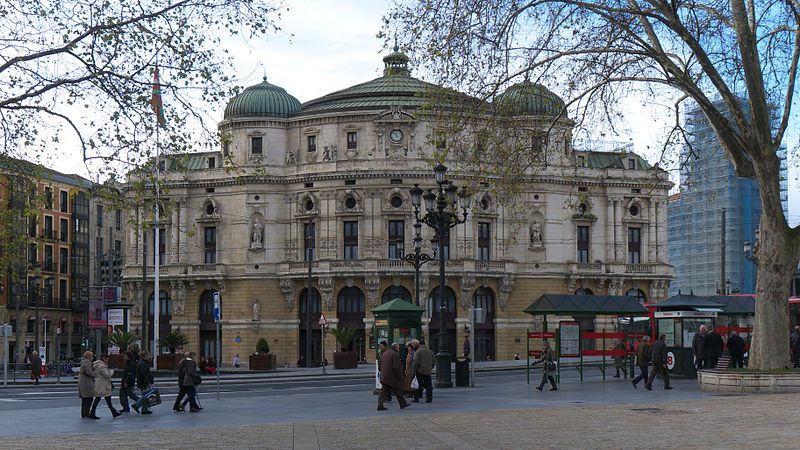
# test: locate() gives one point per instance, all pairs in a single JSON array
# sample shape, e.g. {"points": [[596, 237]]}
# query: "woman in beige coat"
{"points": [[103, 385], [86, 385]]}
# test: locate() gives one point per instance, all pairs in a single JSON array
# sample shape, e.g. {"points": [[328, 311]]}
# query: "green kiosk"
{"points": [[396, 321]]}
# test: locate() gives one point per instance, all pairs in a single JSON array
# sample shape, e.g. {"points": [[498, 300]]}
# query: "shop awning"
{"points": [[599, 305]]}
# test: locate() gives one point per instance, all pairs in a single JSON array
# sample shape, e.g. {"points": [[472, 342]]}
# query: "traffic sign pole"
{"points": [[217, 317], [322, 324]]}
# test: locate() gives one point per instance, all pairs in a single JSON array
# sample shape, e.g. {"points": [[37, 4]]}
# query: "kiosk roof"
{"points": [[610, 305]]}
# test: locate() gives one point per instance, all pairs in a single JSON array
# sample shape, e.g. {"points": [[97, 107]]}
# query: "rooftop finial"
{"points": [[396, 47], [264, 68]]}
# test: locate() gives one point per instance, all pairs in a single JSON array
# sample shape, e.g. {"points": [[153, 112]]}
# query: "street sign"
{"points": [[670, 360], [5, 331], [541, 335], [216, 307], [322, 320]]}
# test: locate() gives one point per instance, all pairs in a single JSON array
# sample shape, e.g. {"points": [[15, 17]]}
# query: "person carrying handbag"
{"points": [[549, 367], [190, 381]]}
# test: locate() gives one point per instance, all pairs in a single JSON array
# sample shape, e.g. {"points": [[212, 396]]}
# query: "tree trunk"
{"points": [[777, 256]]}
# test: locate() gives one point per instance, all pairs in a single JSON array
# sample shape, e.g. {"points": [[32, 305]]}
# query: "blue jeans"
{"points": [[642, 375], [124, 394]]}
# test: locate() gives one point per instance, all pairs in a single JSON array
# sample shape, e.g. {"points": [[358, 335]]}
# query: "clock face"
{"points": [[396, 135]]}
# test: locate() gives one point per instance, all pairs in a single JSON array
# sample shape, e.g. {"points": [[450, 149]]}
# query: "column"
{"points": [[609, 224]]}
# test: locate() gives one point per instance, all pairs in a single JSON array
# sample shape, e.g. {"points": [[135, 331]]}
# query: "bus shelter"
{"points": [[738, 314], [679, 318], [571, 342]]}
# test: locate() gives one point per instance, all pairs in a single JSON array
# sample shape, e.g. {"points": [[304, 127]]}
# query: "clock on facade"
{"points": [[396, 136]]}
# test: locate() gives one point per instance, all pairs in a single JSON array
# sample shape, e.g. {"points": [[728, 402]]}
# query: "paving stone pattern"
{"points": [[741, 421]]}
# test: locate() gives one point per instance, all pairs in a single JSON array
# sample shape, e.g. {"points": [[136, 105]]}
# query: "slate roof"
{"points": [[613, 305]]}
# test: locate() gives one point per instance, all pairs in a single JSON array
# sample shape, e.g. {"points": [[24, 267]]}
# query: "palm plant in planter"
{"points": [[344, 359], [124, 341], [262, 359], [172, 341]]}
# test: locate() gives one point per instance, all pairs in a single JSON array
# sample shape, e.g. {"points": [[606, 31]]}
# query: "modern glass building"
{"points": [[708, 184]]}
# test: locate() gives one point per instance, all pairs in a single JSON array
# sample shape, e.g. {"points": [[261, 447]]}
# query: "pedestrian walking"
{"points": [[179, 406], [642, 360], [619, 345], [126, 389], [424, 362], [103, 386], [714, 345], [191, 378], [548, 367], [736, 349], [36, 367], [86, 385], [391, 377], [794, 346], [408, 372], [144, 380], [236, 360], [658, 356], [698, 348]]}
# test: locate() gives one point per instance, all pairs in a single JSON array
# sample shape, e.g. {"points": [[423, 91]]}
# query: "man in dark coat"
{"points": [[144, 379], [191, 378], [126, 390], [736, 347], [698, 348], [658, 356], [424, 362], [713, 348], [391, 377], [181, 389], [794, 345]]}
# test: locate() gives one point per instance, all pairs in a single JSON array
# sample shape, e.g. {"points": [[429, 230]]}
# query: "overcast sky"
{"points": [[328, 45]]}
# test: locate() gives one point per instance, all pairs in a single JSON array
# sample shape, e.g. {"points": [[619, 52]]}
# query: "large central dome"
{"points": [[395, 88]]}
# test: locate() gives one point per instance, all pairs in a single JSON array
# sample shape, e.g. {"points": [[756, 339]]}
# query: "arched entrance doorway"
{"points": [[484, 332], [350, 310], [393, 292], [208, 328], [315, 331], [434, 307], [164, 317]]}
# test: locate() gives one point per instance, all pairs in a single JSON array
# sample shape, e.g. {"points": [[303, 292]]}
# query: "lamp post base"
{"points": [[443, 371]]}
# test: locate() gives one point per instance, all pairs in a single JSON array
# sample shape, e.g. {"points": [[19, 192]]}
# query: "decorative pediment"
{"points": [[396, 200], [209, 212], [307, 205], [349, 201], [395, 114], [634, 211]]}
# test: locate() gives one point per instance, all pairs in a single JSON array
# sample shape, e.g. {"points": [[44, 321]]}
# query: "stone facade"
{"points": [[235, 221]]}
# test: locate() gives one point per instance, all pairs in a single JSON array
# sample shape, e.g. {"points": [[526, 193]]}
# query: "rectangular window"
{"points": [[62, 291], [63, 260], [445, 247], [257, 145], [309, 241], [352, 140], [63, 203], [30, 325], [48, 227], [48, 258], [634, 245], [118, 219], [118, 248], [312, 143], [581, 161], [351, 240], [99, 215], [63, 230], [212, 162], [48, 197], [397, 231], [162, 248], [483, 241], [583, 244], [49, 287], [441, 141], [631, 163], [33, 254], [33, 224], [210, 245]]}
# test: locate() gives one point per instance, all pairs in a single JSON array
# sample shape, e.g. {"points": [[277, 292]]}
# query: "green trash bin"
{"points": [[462, 371]]}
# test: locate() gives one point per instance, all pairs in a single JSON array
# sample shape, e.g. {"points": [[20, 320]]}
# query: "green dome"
{"points": [[262, 100], [533, 99]]}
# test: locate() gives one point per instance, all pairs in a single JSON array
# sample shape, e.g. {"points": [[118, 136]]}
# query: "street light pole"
{"points": [[417, 259], [441, 215], [310, 258]]}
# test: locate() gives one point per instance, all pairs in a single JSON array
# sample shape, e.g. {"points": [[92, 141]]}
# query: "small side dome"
{"points": [[262, 100], [532, 99]]}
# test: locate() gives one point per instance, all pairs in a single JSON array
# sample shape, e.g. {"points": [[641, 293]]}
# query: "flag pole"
{"points": [[157, 237]]}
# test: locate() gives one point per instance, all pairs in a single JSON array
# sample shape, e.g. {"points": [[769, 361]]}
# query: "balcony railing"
{"points": [[640, 268], [589, 267], [490, 265]]}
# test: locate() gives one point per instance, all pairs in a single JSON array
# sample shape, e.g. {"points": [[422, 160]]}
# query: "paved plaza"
{"points": [[502, 412]]}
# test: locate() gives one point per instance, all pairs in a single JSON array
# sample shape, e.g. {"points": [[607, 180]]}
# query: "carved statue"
{"points": [[258, 230], [536, 234], [290, 158], [256, 310]]}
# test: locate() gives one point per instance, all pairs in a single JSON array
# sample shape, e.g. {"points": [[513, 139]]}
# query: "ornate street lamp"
{"points": [[417, 259], [441, 214]]}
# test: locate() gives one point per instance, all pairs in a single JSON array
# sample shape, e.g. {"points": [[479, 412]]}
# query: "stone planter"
{"points": [[169, 361], [263, 361], [742, 381], [116, 361], [345, 360]]}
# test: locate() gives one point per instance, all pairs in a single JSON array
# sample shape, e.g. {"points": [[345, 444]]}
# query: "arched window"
{"points": [[394, 292], [166, 304], [584, 291], [434, 306], [484, 298], [640, 297], [315, 302], [207, 306], [351, 300]]}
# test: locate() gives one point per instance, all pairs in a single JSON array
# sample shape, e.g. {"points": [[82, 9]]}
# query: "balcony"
{"points": [[587, 268], [640, 268], [490, 266]]}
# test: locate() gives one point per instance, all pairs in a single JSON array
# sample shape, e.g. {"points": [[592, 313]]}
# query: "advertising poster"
{"points": [[570, 339], [96, 311]]}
